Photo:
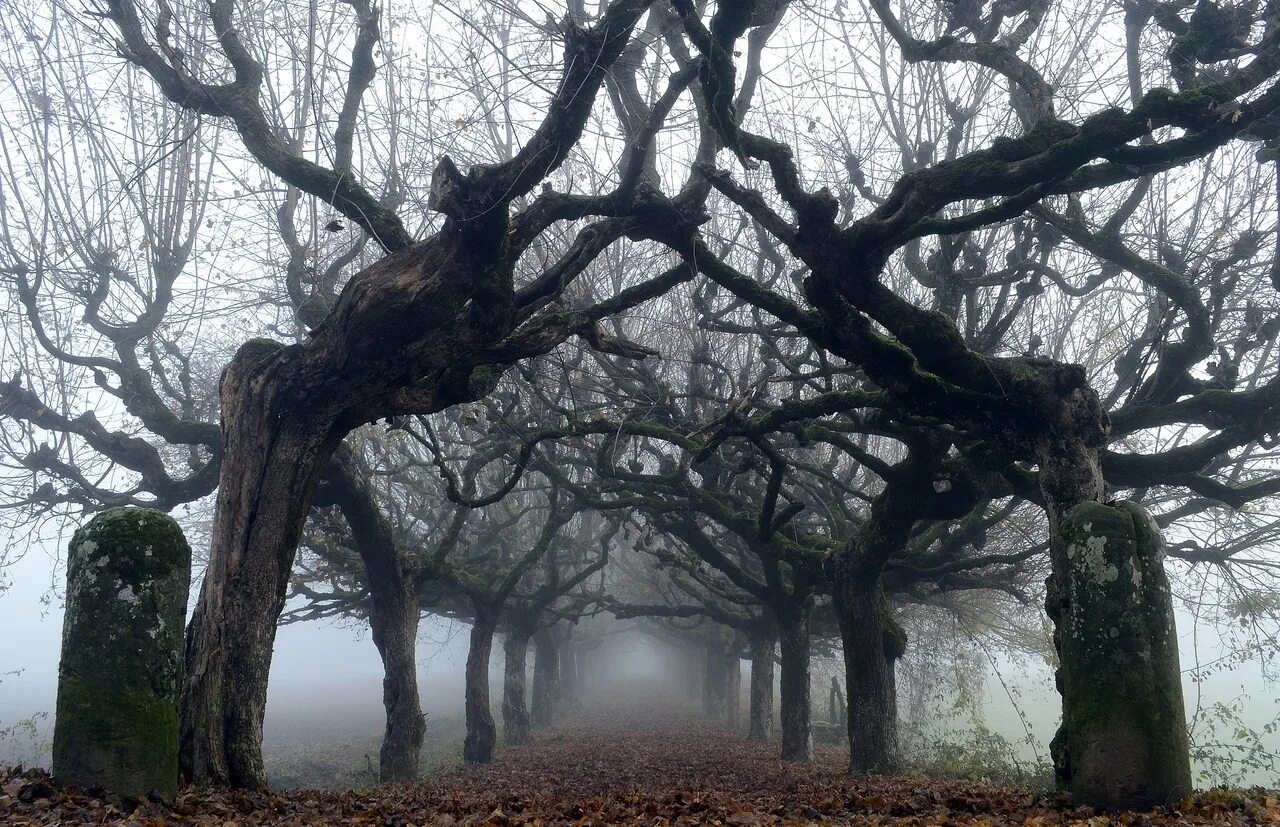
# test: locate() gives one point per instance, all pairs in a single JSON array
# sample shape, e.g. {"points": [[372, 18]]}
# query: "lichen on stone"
{"points": [[128, 576], [1118, 650]]}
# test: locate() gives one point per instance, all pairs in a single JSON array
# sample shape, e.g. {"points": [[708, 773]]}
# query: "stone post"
{"points": [[1123, 741], [128, 572]]}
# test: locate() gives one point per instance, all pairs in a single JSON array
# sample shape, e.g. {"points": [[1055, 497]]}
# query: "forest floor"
{"points": [[625, 766]]}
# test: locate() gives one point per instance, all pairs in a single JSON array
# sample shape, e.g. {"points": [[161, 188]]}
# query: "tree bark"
{"points": [[732, 690], [395, 632], [477, 747], [515, 711], [794, 640], [393, 617], [284, 412], [580, 655], [763, 644], [1123, 740], [273, 456], [714, 679], [691, 671], [546, 676], [569, 688], [837, 708], [872, 645]]}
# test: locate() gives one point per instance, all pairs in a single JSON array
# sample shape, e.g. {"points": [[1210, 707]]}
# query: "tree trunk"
{"points": [[732, 690], [515, 711], [1123, 740], [477, 748], [761, 712], [394, 624], [580, 656], [284, 412], [837, 709], [393, 617], [409, 334], [273, 456], [793, 637], [546, 676], [714, 678], [691, 671], [872, 644], [569, 689]]}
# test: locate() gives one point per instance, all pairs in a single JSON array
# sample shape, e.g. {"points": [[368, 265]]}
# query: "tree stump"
{"points": [[128, 573]]}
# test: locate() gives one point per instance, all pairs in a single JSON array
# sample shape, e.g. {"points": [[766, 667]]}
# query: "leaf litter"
{"points": [[629, 768]]}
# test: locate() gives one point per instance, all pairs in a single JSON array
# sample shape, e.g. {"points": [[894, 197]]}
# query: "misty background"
{"points": [[326, 685]]}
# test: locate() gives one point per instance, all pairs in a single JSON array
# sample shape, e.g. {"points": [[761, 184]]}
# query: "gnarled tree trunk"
{"points": [[582, 670], [394, 624], [763, 643], [273, 456], [691, 669], [409, 334], [515, 711], [796, 703], [477, 747], [284, 412], [569, 688]]}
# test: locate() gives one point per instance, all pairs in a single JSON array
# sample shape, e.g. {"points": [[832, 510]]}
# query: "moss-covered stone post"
{"points": [[128, 572], [1123, 741]]}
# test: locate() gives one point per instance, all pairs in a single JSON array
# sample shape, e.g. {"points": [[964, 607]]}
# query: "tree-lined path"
{"points": [[853, 329], [639, 758]]}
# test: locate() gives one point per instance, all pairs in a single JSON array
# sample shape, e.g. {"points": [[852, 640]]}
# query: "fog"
{"points": [[325, 699], [326, 677]]}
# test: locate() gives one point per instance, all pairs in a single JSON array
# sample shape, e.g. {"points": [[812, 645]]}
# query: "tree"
{"points": [[1036, 410], [994, 230], [428, 326]]}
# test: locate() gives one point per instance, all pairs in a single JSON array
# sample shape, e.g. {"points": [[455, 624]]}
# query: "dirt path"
{"points": [[623, 765]]}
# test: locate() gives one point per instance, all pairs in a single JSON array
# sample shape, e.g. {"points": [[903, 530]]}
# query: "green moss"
{"points": [[118, 682], [257, 348], [1161, 102], [139, 529], [483, 380], [1107, 120], [122, 738], [128, 573], [1124, 737], [1041, 136]]}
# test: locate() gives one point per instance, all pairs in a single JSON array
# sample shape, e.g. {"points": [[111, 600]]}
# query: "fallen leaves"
{"points": [[633, 770]]}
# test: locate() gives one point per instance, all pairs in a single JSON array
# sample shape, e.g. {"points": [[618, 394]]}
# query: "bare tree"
{"points": [[429, 325]]}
